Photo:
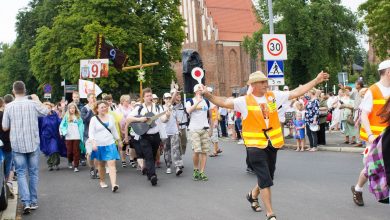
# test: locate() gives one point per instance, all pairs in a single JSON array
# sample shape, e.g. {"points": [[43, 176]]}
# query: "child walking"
{"points": [[72, 127], [299, 125]]}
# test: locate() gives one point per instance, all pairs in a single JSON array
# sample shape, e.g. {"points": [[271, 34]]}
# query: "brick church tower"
{"points": [[216, 29]]}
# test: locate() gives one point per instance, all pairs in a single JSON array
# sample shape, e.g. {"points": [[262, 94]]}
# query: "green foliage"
{"points": [[53, 35], [370, 73], [321, 35], [155, 23], [376, 14]]}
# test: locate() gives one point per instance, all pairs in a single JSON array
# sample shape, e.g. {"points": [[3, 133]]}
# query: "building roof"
{"points": [[234, 19]]}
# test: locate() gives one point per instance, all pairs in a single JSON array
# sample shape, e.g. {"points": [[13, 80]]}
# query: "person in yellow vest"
{"points": [[261, 130], [214, 122], [371, 125]]}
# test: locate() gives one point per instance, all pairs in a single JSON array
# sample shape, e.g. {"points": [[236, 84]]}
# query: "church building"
{"points": [[216, 30]]}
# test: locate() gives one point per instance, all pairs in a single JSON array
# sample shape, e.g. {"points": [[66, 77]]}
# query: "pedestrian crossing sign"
{"points": [[275, 68]]}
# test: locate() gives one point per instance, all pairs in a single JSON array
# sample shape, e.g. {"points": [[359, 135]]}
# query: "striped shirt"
{"points": [[21, 117]]}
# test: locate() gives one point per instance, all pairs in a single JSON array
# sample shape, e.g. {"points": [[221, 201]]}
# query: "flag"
{"points": [[86, 87], [106, 50]]}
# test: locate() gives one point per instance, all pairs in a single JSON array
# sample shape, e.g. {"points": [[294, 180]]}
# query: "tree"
{"points": [[321, 35], [376, 14], [15, 60], [156, 23]]}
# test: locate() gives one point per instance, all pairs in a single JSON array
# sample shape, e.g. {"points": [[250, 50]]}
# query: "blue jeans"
{"points": [[7, 163], [27, 162]]}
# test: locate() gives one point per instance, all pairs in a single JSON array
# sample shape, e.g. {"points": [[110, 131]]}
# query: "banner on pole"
{"points": [[86, 87], [94, 68]]}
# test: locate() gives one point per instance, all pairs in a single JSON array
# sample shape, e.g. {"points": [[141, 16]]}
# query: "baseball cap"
{"points": [[155, 96], [384, 65], [196, 87], [167, 95]]}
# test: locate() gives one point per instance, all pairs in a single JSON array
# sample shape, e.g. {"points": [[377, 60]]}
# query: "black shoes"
{"points": [[153, 180]]}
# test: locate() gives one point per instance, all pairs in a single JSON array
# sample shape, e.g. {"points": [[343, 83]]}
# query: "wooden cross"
{"points": [[140, 66]]}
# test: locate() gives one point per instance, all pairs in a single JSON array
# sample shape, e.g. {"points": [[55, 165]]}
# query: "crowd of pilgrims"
{"points": [[98, 134]]}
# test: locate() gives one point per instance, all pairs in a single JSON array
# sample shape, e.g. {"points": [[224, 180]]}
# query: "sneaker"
{"points": [[26, 209], [203, 177], [240, 141], [357, 197], [50, 168], [92, 173], [70, 166], [83, 162], [76, 170], [249, 170], [132, 164], [178, 171], [169, 171], [33, 206], [124, 164], [195, 176], [153, 180]]}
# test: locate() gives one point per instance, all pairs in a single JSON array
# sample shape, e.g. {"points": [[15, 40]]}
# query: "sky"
{"points": [[10, 8]]}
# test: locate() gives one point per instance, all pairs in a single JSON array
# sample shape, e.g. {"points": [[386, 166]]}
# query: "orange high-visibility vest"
{"points": [[214, 114], [254, 123], [378, 102]]}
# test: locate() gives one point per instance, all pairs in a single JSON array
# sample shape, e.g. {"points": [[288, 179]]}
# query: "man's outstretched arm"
{"points": [[321, 77], [217, 100]]}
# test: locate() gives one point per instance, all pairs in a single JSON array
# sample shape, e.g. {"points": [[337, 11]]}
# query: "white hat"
{"points": [[257, 76], [196, 87], [384, 65], [167, 95], [155, 96], [285, 87]]}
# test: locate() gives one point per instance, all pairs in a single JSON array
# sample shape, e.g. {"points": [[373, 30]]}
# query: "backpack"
{"points": [[192, 103], [375, 171]]}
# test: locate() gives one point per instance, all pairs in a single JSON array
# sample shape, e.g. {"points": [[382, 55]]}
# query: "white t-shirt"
{"points": [[198, 118], [241, 106], [155, 110], [367, 102], [73, 131], [171, 125]]}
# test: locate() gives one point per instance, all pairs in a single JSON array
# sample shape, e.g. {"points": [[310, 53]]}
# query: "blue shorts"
{"points": [[105, 153]]}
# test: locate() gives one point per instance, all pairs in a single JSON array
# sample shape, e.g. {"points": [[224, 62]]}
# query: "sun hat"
{"points": [[257, 76], [384, 65]]}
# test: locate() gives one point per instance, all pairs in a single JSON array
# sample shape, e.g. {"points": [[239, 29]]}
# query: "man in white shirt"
{"points": [[259, 113], [370, 121], [149, 142], [199, 132]]}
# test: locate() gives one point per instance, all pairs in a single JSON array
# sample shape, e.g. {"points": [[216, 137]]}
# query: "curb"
{"points": [[10, 212], [332, 149]]}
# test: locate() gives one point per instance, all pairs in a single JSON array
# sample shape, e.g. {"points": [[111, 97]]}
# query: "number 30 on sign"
{"points": [[274, 47], [94, 68]]}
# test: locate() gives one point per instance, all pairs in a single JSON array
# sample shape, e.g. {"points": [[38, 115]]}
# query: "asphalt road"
{"points": [[307, 186]]}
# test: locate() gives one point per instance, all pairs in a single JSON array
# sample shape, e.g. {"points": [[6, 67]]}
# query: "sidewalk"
{"points": [[334, 142], [10, 212]]}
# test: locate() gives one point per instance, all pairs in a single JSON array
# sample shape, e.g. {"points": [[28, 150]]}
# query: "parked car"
{"points": [[3, 185]]}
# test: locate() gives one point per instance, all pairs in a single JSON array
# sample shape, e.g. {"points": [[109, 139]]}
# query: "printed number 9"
{"points": [[95, 70], [274, 46]]}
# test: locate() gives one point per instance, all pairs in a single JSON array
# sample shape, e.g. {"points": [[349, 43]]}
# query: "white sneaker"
{"points": [[76, 169], [240, 141], [169, 171]]}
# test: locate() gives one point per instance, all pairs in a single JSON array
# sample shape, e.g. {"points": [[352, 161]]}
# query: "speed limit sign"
{"points": [[274, 47]]}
